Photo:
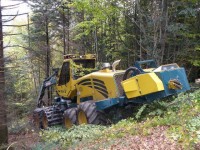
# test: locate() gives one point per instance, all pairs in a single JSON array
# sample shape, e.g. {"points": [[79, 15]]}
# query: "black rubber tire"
{"points": [[92, 114], [136, 70], [71, 115], [51, 116]]}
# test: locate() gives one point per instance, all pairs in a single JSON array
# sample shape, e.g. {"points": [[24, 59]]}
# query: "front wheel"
{"points": [[88, 114], [70, 117]]}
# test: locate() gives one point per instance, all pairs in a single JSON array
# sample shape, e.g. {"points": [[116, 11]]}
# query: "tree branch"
{"points": [[17, 46], [10, 8], [15, 15], [15, 25], [12, 5], [26, 48], [12, 34]]}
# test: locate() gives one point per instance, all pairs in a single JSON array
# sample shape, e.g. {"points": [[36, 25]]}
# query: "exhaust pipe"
{"points": [[114, 65]]}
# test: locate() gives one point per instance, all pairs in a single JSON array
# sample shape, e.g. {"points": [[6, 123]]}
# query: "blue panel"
{"points": [[101, 105], [178, 74], [149, 63]]}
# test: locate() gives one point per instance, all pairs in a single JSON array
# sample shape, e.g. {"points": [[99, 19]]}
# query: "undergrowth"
{"points": [[180, 114], [63, 138]]}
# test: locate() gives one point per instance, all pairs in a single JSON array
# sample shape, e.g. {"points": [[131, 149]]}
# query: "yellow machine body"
{"points": [[103, 84], [142, 84], [98, 86], [85, 91]]}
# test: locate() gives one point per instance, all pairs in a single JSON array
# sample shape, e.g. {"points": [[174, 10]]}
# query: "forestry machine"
{"points": [[85, 93]]}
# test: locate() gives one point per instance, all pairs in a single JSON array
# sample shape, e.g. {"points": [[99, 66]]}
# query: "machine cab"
{"points": [[73, 67]]}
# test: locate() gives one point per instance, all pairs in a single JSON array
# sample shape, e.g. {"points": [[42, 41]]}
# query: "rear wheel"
{"points": [[70, 117], [88, 114], [51, 116]]}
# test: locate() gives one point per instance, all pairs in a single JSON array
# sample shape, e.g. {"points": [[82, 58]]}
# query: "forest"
{"points": [[167, 31]]}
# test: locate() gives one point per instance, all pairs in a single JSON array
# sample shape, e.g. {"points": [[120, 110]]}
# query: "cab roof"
{"points": [[76, 56]]}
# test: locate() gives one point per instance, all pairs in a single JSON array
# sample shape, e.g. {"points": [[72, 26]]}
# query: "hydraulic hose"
{"points": [[133, 69]]}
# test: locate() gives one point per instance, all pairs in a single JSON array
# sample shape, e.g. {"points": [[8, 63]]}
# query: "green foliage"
{"points": [[45, 146], [79, 70], [64, 137], [138, 115], [156, 108], [182, 117]]}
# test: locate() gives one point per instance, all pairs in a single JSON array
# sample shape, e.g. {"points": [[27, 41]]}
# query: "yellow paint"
{"points": [[67, 90], [150, 83], [142, 84], [105, 70], [174, 84], [148, 70], [108, 80], [171, 85], [94, 89], [82, 119], [131, 87], [83, 91]]}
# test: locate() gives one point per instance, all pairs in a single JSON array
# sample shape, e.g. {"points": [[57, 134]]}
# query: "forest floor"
{"points": [[24, 141], [156, 140]]}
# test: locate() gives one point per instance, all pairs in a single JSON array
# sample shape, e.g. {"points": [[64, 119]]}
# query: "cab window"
{"points": [[85, 63], [65, 74]]}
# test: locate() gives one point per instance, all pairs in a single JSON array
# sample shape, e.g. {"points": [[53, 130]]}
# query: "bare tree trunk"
{"points": [[47, 55], [3, 117], [96, 43], [68, 27], [64, 32], [137, 53], [163, 28]]}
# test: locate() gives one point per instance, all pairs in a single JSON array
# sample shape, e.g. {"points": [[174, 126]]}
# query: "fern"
{"points": [[139, 113]]}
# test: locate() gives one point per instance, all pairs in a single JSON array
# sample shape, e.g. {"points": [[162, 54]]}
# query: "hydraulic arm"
{"points": [[48, 82]]}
